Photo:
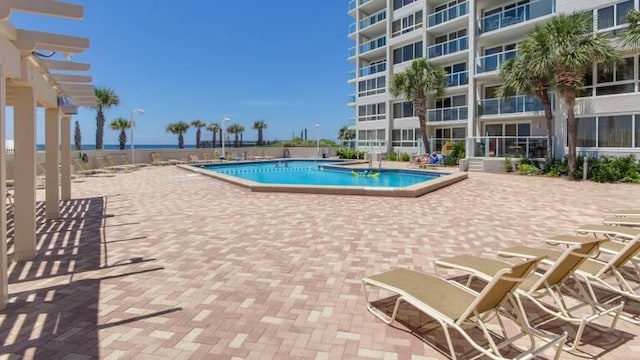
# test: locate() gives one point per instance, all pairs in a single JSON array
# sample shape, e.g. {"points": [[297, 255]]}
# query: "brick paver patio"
{"points": [[165, 264]]}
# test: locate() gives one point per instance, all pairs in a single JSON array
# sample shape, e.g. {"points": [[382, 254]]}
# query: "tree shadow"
{"points": [[51, 314]]}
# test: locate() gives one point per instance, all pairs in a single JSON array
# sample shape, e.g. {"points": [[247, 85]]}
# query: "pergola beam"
{"points": [[42, 7], [64, 65], [35, 40], [65, 78]]}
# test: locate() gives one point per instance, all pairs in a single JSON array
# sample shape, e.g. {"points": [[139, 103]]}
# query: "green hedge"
{"points": [[602, 169]]}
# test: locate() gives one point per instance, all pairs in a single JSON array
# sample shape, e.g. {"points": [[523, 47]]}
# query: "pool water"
{"points": [[300, 172]]}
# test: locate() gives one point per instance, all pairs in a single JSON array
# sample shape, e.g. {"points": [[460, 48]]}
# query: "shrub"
{"points": [[405, 157], [507, 165], [603, 169], [392, 156], [526, 169], [350, 154], [455, 155], [556, 168]]}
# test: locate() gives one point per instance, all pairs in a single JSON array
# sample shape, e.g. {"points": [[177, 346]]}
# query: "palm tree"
{"points": [[235, 129], [121, 124], [179, 129], [346, 134], [106, 98], [213, 127], [415, 83], [631, 35], [259, 125], [570, 49], [519, 76], [77, 136], [198, 124]]}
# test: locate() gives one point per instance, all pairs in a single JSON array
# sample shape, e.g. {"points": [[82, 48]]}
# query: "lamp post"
{"points": [[224, 129], [133, 154], [317, 141]]}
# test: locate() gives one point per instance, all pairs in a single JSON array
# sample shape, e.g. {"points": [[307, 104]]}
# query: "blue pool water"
{"points": [[300, 172]]}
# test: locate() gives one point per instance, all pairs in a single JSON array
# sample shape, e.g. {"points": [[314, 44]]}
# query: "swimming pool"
{"points": [[301, 172], [326, 177]]}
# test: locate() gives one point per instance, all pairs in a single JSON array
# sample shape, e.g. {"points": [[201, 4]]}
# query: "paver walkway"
{"points": [[166, 264]]}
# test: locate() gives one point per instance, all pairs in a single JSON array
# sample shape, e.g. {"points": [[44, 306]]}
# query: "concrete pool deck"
{"points": [[165, 264], [445, 178]]}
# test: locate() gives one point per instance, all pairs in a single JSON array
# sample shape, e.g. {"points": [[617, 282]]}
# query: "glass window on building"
{"points": [[615, 131], [606, 17], [586, 132], [622, 10], [638, 131], [459, 133]]}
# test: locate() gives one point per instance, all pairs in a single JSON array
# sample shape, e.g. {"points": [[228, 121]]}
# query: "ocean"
{"points": [[137, 146]]}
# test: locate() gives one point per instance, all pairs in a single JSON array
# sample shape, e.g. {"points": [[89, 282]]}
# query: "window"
{"points": [[444, 135], [372, 112], [457, 75], [405, 137], [372, 86], [375, 135], [397, 4], [586, 132], [615, 80], [615, 131], [613, 16], [407, 53], [407, 24], [638, 131], [403, 110], [451, 101]]}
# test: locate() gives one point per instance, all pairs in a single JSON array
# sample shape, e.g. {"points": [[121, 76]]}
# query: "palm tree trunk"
{"points": [[240, 139], [548, 114], [570, 102], [213, 140], [180, 141], [221, 138], [122, 138], [99, 129], [235, 140], [421, 108], [198, 138], [259, 136]]}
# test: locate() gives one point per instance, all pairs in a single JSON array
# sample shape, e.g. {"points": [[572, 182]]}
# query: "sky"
{"points": [[284, 62]]}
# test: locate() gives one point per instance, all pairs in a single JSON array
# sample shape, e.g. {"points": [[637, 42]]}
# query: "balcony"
{"points": [[373, 69], [352, 28], [352, 75], [373, 44], [445, 15], [352, 99], [516, 15], [510, 105], [373, 19], [457, 79], [492, 62], [531, 147], [448, 47], [447, 114], [352, 5], [352, 51]]}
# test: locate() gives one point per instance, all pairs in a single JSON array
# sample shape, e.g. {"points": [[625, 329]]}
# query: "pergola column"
{"points": [[65, 157], [51, 120], [4, 283], [24, 110]]}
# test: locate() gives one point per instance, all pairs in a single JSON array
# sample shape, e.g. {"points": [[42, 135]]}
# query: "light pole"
{"points": [[224, 137], [133, 154], [317, 141]]}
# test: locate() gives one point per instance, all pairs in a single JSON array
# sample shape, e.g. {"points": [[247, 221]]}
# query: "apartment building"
{"points": [[471, 39]]}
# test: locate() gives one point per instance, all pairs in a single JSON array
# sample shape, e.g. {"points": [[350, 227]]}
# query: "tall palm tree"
{"points": [[415, 83], [519, 76], [106, 98], [121, 124], [259, 125], [198, 124], [346, 134], [179, 129], [77, 136], [235, 129], [213, 127], [571, 48], [631, 35]]}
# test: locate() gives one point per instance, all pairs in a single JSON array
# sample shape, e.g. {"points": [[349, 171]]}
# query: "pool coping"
{"points": [[415, 190]]}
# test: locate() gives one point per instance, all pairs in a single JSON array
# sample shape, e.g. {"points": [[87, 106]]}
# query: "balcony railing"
{"points": [[373, 69], [510, 105], [372, 144], [352, 28], [373, 44], [492, 62], [457, 79], [448, 14], [500, 146], [373, 19], [447, 114], [352, 51], [352, 75], [352, 98], [352, 5], [448, 47], [516, 15], [436, 144]]}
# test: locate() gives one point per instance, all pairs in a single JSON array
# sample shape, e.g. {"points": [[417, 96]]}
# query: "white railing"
{"points": [[373, 44], [501, 146], [457, 79], [516, 15], [494, 61], [373, 68], [352, 51], [511, 105], [448, 47], [448, 14], [352, 28], [373, 19], [448, 114], [352, 75]]}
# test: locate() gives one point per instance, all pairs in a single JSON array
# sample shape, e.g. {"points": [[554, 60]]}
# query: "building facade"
{"points": [[471, 39]]}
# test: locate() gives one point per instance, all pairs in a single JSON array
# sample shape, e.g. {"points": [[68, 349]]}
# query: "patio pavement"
{"points": [[165, 264]]}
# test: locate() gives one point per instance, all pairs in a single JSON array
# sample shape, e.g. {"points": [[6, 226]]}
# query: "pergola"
{"points": [[28, 81]]}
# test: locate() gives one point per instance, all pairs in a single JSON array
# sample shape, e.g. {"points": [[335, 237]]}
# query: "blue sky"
{"points": [[280, 61]]}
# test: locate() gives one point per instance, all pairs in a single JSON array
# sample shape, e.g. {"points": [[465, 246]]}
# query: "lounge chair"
{"points": [[625, 212], [607, 275], [193, 159], [125, 162], [632, 221], [547, 285], [82, 169], [455, 307], [104, 164], [157, 160], [264, 156], [611, 232]]}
